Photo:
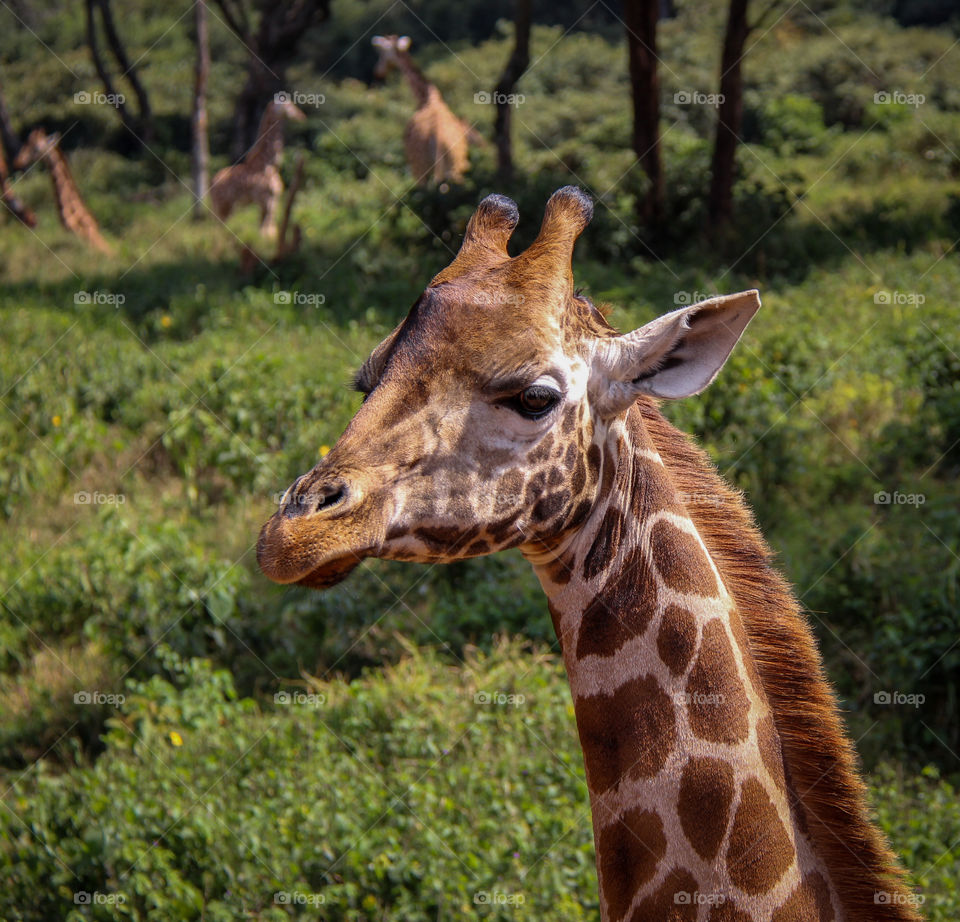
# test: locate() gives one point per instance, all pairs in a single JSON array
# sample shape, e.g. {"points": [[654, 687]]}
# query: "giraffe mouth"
{"points": [[292, 551], [330, 573]]}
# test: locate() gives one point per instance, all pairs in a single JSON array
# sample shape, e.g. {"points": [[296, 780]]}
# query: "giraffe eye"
{"points": [[536, 401]]}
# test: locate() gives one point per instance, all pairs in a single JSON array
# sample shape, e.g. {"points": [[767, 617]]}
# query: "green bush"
{"points": [[405, 795]]}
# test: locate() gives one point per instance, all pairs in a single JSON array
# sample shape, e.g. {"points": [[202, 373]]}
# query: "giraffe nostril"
{"points": [[315, 499], [329, 496]]}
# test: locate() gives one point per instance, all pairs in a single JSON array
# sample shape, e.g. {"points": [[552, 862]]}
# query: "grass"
{"points": [[179, 393]]}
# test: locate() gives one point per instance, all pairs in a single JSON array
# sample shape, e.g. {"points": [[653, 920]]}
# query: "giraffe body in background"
{"points": [[505, 412], [435, 140], [74, 214], [256, 179]]}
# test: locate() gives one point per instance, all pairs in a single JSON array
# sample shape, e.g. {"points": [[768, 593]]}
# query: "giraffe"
{"points": [[256, 179], [506, 412], [435, 140], [74, 214]]}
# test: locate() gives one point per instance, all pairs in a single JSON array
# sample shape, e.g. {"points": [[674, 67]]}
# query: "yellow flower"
{"points": [[176, 738], [56, 420], [165, 320], [324, 451]]}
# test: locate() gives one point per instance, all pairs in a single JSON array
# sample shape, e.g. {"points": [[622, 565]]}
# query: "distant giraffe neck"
{"points": [[268, 149], [73, 212], [421, 88], [684, 767]]}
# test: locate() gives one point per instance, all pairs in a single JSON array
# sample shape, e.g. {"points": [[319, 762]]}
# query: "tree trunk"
{"points": [[516, 65], [9, 139], [127, 70], [201, 142], [10, 201], [729, 118], [640, 18], [272, 46], [142, 127]]}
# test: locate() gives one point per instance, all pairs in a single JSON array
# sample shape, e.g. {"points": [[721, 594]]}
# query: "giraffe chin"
{"points": [[330, 573]]}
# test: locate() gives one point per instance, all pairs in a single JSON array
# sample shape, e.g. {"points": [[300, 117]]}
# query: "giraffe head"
{"points": [[390, 49], [486, 410], [36, 147], [283, 107]]}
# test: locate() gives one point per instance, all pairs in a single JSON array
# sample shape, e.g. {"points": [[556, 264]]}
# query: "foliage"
{"points": [[420, 790]]}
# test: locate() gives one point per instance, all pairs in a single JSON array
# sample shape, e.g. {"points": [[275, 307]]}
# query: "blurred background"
{"points": [[180, 739]]}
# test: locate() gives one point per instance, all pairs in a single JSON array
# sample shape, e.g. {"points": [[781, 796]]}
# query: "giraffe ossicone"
{"points": [[504, 411]]}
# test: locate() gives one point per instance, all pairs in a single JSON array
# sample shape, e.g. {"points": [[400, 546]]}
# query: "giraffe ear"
{"points": [[378, 41], [676, 355], [403, 43]]}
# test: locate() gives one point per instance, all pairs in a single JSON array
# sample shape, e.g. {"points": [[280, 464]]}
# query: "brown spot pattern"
{"points": [[768, 741], [759, 851], [716, 703], [629, 852], [621, 609], [746, 653], [800, 906], [604, 543], [666, 904], [549, 507], [650, 490], [706, 793], [681, 561], [629, 733], [728, 912], [677, 638]]}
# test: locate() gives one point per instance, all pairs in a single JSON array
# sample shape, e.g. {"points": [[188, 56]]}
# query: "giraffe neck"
{"points": [[69, 204], [691, 804], [421, 88], [268, 149]]}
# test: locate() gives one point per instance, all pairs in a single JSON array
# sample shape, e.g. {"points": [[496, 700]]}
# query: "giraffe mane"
{"points": [[820, 761]]}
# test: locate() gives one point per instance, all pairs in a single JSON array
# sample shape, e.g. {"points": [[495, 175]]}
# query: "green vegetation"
{"points": [[418, 791], [152, 403]]}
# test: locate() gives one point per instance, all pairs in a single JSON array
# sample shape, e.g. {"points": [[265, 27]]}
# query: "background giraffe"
{"points": [[74, 214], [506, 412], [256, 179], [435, 140]]}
